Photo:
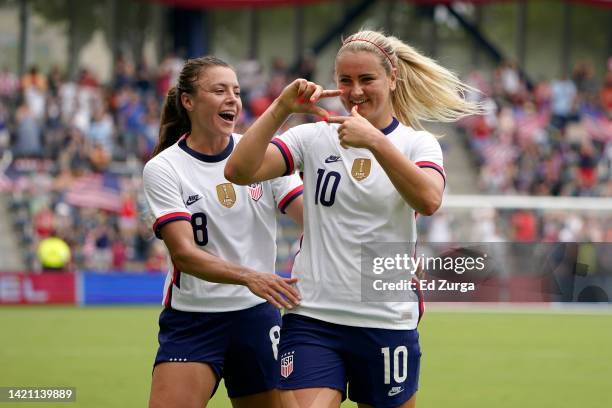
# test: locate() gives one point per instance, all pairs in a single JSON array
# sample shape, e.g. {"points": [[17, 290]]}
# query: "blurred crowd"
{"points": [[553, 137], [72, 154], [72, 151]]}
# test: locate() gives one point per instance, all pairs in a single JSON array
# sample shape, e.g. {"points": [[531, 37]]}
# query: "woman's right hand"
{"points": [[276, 290], [301, 95]]}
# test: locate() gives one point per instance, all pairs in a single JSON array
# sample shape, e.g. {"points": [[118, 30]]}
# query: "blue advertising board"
{"points": [[122, 288]]}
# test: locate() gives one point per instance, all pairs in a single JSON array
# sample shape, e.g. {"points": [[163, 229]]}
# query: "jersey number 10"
{"points": [[322, 190]]}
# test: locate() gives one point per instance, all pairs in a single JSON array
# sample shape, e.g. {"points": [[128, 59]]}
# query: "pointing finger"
{"points": [[338, 119], [330, 93]]}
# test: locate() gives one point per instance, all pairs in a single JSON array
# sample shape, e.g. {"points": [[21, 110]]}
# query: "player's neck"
{"points": [[207, 144], [382, 121]]}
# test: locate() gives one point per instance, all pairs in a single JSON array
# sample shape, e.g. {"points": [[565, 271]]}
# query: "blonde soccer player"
{"points": [[365, 177]]}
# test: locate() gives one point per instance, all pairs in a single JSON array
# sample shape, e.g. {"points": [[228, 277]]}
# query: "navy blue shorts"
{"points": [[240, 346], [380, 366]]}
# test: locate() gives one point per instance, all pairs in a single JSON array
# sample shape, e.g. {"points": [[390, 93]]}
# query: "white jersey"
{"points": [[235, 223], [349, 200]]}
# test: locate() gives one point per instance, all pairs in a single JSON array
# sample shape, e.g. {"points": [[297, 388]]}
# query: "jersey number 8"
{"points": [[200, 232]]}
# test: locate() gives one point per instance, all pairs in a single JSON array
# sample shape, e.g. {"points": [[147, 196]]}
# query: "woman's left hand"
{"points": [[356, 131]]}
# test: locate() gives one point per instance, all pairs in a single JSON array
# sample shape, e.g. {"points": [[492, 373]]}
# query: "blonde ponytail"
{"points": [[425, 91]]}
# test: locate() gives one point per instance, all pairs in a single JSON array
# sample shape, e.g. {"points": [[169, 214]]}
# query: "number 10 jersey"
{"points": [[348, 201]]}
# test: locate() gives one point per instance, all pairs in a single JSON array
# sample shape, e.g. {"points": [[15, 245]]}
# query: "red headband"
{"points": [[374, 44]]}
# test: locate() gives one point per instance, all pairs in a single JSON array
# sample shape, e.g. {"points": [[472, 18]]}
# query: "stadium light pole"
{"points": [[73, 57], [389, 11], [298, 33], [24, 36], [253, 33], [566, 38], [521, 33], [113, 35], [478, 18]]}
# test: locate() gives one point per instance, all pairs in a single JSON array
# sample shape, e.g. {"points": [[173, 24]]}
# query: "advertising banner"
{"points": [[122, 288], [32, 289]]}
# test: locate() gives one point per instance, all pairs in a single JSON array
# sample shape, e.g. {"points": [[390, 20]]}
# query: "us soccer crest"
{"points": [[361, 168], [255, 191], [226, 194], [287, 364]]}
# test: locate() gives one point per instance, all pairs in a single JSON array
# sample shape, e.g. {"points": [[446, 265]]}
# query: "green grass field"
{"points": [[470, 359]]}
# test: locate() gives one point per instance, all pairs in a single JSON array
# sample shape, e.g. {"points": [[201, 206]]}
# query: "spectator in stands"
{"points": [[5, 137], [584, 79], [33, 79], [307, 66], [29, 133], [9, 84], [606, 95], [251, 77], [563, 97], [101, 131]]}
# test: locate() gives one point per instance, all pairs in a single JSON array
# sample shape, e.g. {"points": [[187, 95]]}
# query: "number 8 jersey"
{"points": [[235, 223], [348, 201]]}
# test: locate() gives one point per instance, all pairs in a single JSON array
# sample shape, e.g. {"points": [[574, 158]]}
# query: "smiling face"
{"points": [[216, 104], [364, 82]]}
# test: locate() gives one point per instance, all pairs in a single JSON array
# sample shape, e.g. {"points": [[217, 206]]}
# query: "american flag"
{"points": [[255, 191], [287, 365], [95, 191]]}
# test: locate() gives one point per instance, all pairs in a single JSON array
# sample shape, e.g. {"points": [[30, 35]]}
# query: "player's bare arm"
{"points": [[254, 159], [188, 258], [421, 188], [295, 211]]}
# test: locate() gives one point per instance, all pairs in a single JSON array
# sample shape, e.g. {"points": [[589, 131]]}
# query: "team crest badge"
{"points": [[361, 168], [226, 194], [287, 365], [255, 191]]}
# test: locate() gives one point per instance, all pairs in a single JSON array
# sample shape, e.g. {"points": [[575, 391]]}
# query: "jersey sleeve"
{"points": [[162, 191], [286, 189], [428, 153], [292, 145]]}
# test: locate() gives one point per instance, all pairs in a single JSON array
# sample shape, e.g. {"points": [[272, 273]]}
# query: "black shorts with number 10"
{"points": [[240, 346]]}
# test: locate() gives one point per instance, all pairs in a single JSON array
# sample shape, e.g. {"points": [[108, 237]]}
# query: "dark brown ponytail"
{"points": [[174, 123], [174, 119]]}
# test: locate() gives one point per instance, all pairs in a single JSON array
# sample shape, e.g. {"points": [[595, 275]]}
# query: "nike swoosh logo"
{"points": [[395, 392], [333, 159], [193, 199]]}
